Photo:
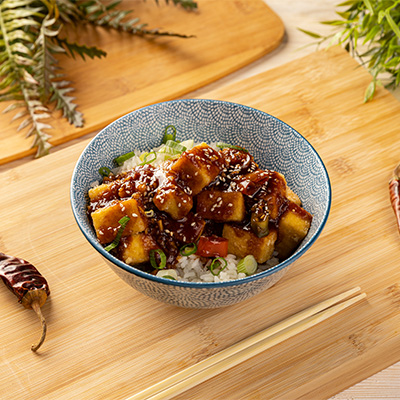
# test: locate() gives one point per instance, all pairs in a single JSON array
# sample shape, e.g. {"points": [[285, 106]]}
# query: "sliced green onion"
{"points": [[189, 144], [171, 149], [143, 155], [218, 265], [104, 171], [168, 136], [153, 261], [146, 161], [149, 213], [188, 249], [121, 159], [230, 146], [248, 265], [168, 274], [176, 146], [123, 222], [168, 153]]}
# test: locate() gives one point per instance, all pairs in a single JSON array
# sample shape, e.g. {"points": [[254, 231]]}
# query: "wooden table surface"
{"points": [[305, 14]]}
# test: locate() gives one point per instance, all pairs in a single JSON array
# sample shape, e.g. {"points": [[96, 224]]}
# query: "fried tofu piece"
{"points": [[243, 242], [173, 200], [98, 191], [104, 193], [275, 195], [289, 194], [292, 229], [135, 248], [105, 220], [292, 196], [196, 168], [221, 206], [186, 230]]}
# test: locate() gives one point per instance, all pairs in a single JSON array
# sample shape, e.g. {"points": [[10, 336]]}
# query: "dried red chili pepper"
{"points": [[26, 282], [394, 190]]}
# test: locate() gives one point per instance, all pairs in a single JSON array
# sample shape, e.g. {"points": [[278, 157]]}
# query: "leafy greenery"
{"points": [[370, 31], [30, 40]]}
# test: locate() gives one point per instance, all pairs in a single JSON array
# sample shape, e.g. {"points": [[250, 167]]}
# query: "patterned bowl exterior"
{"points": [[274, 145]]}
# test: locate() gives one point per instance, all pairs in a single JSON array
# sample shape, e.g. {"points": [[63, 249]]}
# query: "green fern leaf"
{"points": [[81, 50], [60, 90], [30, 74]]}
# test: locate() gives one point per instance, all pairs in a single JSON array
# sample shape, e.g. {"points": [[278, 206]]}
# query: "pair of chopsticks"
{"points": [[247, 348]]}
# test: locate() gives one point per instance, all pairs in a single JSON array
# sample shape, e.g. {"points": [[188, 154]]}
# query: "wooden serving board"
{"points": [[139, 71], [107, 341]]}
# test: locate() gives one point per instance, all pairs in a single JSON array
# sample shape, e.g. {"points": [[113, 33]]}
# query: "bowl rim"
{"points": [[201, 285]]}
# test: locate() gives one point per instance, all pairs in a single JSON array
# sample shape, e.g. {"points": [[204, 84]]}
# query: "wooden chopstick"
{"points": [[247, 348]]}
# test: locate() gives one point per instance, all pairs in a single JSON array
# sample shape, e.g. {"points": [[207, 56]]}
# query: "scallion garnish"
{"points": [[169, 136], [175, 146], [149, 213], [121, 159], [162, 256], [169, 277], [248, 265], [188, 249], [218, 265], [168, 152], [104, 171], [146, 160], [123, 222], [168, 274], [230, 146]]}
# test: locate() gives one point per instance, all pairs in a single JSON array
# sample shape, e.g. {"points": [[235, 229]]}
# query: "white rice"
{"points": [[191, 269], [137, 160]]}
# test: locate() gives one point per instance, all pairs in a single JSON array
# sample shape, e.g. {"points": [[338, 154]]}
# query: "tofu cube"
{"points": [[186, 230], [276, 194], [105, 220], [196, 168], [135, 248], [292, 196], [98, 191], [173, 200], [243, 242], [221, 206], [292, 229]]}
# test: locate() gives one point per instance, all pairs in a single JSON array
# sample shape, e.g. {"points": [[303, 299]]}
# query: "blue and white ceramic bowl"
{"points": [[274, 145]]}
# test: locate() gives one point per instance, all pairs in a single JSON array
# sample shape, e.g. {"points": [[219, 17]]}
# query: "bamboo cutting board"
{"points": [[107, 341], [139, 71]]}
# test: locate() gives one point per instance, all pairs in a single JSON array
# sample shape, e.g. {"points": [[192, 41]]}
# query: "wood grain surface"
{"points": [[107, 341], [139, 71]]}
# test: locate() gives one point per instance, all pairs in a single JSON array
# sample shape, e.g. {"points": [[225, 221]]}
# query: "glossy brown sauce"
{"points": [[264, 190]]}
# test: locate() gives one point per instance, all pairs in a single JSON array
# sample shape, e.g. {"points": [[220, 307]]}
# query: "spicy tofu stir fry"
{"points": [[209, 200]]}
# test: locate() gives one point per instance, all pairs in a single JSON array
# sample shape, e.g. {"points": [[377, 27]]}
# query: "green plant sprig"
{"points": [[370, 31], [30, 40]]}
